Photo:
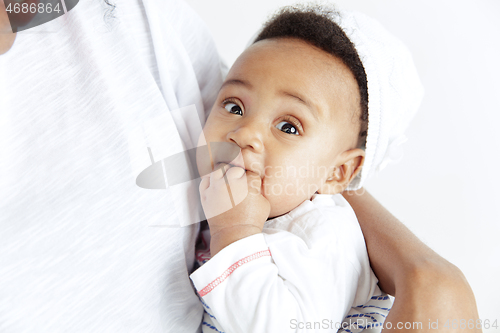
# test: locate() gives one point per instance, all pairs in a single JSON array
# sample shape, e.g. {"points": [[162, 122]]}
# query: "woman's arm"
{"points": [[428, 288]]}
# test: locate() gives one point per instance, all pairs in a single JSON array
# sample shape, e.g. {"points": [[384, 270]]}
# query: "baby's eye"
{"points": [[233, 108], [288, 128]]}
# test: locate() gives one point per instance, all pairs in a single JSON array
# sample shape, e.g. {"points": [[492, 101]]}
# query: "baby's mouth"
{"points": [[222, 164], [235, 162], [238, 162], [231, 164], [229, 153]]}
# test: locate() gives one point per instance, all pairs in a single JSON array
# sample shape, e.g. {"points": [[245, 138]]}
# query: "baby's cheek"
{"points": [[283, 194]]}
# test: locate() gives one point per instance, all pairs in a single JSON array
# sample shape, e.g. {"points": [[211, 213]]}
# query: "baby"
{"points": [[286, 251]]}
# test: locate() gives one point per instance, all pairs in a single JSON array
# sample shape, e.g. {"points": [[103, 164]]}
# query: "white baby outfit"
{"points": [[308, 266]]}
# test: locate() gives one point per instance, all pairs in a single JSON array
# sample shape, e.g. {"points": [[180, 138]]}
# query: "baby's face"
{"points": [[293, 110]]}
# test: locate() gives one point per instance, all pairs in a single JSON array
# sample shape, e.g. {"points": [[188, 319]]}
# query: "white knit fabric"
{"points": [[394, 89]]}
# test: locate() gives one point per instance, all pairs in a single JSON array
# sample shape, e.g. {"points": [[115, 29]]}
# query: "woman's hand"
{"points": [[233, 204], [428, 288]]}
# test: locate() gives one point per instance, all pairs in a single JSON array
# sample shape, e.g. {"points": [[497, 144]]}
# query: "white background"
{"points": [[446, 188]]}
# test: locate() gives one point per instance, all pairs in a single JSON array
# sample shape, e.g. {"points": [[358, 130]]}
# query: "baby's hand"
{"points": [[233, 204]]}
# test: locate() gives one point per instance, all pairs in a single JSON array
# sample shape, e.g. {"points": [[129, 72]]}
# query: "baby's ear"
{"points": [[348, 165]]}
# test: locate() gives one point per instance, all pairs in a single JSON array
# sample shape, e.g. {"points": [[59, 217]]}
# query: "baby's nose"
{"points": [[248, 136]]}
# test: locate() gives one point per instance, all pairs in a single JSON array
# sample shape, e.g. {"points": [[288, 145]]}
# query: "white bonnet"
{"points": [[394, 89]]}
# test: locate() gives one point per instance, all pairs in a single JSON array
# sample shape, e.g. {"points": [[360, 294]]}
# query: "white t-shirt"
{"points": [[78, 248], [305, 272]]}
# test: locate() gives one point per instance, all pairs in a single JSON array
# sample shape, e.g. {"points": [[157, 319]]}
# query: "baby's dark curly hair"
{"points": [[313, 25]]}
